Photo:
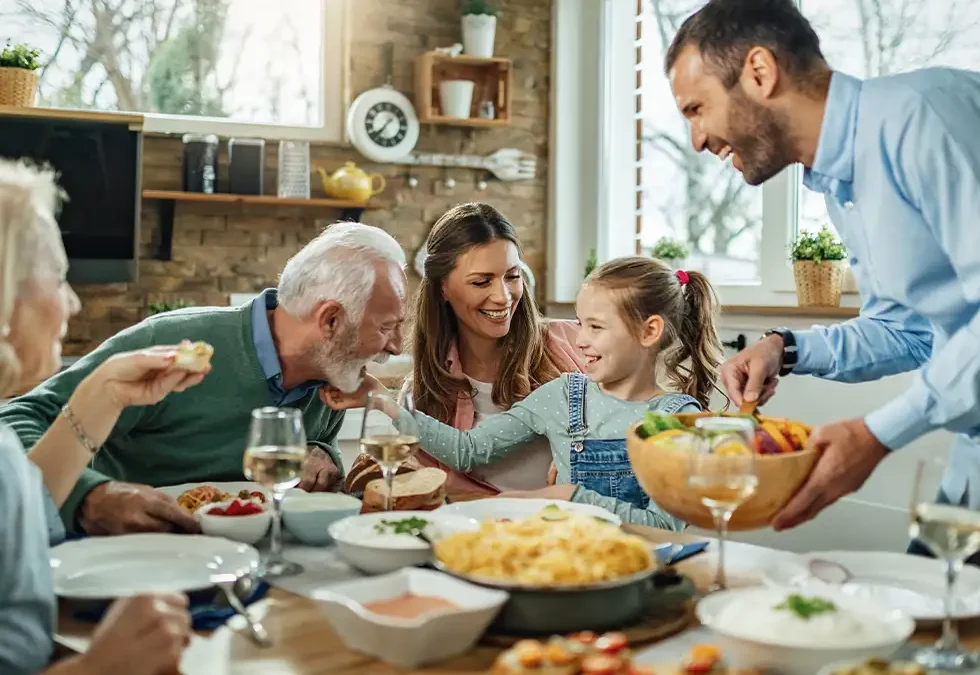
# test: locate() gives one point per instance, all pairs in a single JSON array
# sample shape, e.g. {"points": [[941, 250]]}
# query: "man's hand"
{"points": [[752, 374], [849, 452], [320, 474], [563, 492], [140, 635], [122, 508]]}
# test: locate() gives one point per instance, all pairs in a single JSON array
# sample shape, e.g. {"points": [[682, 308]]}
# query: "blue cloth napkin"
{"points": [[683, 553], [205, 614]]}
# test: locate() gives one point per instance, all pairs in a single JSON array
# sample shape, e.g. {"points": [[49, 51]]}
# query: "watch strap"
{"points": [[790, 349]]}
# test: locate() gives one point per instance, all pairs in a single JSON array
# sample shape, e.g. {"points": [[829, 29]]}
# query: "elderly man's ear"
{"points": [[329, 317]]}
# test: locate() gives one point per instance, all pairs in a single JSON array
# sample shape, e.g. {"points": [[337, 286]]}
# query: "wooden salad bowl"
{"points": [[661, 468]]}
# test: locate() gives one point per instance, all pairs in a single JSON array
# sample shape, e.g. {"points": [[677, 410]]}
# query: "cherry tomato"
{"points": [[601, 664], [584, 637], [611, 643]]}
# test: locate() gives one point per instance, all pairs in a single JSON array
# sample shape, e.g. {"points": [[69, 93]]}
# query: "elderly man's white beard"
{"points": [[339, 368]]}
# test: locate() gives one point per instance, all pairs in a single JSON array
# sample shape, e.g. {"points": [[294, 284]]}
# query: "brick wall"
{"points": [[220, 250]]}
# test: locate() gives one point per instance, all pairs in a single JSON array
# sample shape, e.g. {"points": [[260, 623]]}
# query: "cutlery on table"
{"points": [[671, 554], [227, 583]]}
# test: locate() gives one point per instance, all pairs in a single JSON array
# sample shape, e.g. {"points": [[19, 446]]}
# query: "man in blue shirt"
{"points": [[898, 161]]}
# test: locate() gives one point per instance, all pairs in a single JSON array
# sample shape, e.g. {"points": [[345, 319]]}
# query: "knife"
{"points": [[671, 554]]}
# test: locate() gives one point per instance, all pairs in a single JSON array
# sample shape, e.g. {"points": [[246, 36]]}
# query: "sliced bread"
{"points": [[365, 469], [424, 489]]}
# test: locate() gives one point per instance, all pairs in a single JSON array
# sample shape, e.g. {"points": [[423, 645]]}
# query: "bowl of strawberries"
{"points": [[242, 520]]}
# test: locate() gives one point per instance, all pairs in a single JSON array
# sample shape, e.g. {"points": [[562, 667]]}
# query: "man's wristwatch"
{"points": [[789, 349]]}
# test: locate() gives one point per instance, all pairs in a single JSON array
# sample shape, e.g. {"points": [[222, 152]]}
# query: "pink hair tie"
{"points": [[682, 277]]}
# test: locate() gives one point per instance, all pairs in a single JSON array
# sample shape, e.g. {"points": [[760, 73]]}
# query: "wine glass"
{"points": [[274, 457], [721, 470], [389, 434], [952, 534]]}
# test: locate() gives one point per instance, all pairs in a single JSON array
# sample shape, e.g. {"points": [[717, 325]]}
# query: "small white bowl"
{"points": [[411, 643], [308, 515], [246, 529], [779, 653], [360, 544]]}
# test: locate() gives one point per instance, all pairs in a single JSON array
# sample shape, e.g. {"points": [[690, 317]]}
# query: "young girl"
{"points": [[640, 319]]}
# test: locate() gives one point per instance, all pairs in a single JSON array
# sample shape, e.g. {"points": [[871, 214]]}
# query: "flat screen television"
{"points": [[99, 167]]}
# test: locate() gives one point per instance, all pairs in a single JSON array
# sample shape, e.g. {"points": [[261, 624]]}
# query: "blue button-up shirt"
{"points": [[265, 349], [898, 161]]}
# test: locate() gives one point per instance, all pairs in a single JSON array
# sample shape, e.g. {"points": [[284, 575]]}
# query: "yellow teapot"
{"points": [[351, 183]]}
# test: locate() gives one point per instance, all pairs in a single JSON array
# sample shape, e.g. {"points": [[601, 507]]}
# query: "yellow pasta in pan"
{"points": [[577, 550]]}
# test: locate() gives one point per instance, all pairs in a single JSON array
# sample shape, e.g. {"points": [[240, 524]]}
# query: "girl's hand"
{"points": [[142, 377], [560, 492], [552, 474], [338, 400]]}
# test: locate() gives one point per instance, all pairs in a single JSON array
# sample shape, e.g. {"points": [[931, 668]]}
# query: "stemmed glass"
{"points": [[274, 457], [721, 470], [389, 434], [952, 534]]}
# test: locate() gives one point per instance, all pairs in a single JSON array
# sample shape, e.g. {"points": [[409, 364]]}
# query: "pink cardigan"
{"points": [[561, 347]]}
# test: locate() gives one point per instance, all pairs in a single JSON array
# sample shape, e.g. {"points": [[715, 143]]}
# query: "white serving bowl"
{"points": [[779, 653], [308, 515], [410, 643], [496, 508], [359, 543], [245, 529]]}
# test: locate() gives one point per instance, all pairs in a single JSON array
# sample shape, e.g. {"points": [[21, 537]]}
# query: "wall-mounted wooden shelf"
{"points": [[793, 311], [133, 120], [492, 80], [168, 199]]}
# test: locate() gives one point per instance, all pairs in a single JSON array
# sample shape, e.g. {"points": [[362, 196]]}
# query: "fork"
{"points": [[226, 582]]}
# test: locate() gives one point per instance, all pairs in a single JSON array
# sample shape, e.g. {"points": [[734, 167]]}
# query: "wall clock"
{"points": [[382, 124]]}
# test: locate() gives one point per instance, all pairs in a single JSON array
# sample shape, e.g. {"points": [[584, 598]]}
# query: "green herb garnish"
{"points": [[405, 526], [807, 608]]}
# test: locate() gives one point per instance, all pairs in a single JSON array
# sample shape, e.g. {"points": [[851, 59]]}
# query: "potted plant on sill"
{"points": [[672, 251], [479, 27], [18, 75], [818, 268], [167, 306]]}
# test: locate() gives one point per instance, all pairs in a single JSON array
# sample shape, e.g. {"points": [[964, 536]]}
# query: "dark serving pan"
{"points": [[549, 610]]}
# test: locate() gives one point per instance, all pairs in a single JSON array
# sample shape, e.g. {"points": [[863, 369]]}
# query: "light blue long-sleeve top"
{"points": [[898, 161], [29, 521], [545, 413]]}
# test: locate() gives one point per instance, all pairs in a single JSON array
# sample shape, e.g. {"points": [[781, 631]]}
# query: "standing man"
{"points": [[898, 161]]}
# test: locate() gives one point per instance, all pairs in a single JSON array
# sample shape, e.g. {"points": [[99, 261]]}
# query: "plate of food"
{"points": [[504, 508], [875, 667], [564, 575], [192, 496], [100, 568]]}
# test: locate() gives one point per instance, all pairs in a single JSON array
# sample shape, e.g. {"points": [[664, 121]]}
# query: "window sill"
{"points": [[562, 310]]}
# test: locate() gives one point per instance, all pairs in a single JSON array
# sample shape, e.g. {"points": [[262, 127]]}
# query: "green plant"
{"points": [[669, 249], [817, 247], [158, 307], [479, 7], [591, 263], [20, 56]]}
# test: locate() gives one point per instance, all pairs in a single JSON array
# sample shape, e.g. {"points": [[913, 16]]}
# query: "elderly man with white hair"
{"points": [[340, 304]]}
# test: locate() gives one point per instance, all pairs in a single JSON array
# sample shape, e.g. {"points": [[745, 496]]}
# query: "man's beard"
{"points": [[336, 361], [759, 136]]}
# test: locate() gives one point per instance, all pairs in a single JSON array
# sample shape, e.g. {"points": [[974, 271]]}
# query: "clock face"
{"points": [[386, 124]]}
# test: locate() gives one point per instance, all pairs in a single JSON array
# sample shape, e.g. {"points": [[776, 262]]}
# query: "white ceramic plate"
{"points": [[99, 568], [231, 487], [496, 508], [914, 584]]}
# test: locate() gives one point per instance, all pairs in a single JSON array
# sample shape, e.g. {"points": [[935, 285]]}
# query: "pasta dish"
{"points": [[575, 550]]}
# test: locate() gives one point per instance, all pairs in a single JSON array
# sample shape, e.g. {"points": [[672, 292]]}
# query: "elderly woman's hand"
{"points": [[142, 377], [338, 400]]}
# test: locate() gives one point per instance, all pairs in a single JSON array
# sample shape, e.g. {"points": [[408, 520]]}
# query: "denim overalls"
{"points": [[603, 465]]}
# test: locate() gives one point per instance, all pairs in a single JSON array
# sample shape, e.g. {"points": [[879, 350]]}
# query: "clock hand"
{"points": [[385, 126]]}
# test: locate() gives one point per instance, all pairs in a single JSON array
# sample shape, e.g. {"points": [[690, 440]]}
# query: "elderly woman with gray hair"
{"points": [[143, 635]]}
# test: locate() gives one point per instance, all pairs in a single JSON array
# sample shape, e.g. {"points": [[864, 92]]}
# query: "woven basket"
{"points": [[18, 86], [818, 284]]}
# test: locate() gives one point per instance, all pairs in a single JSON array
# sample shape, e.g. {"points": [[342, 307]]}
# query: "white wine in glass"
{"points": [[389, 434], [721, 471], [275, 453], [952, 534]]}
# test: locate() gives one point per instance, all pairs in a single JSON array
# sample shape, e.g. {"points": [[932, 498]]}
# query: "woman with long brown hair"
{"points": [[479, 343]]}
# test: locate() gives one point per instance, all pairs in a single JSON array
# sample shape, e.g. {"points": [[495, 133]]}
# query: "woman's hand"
{"points": [[142, 377], [338, 400], [141, 635], [562, 492]]}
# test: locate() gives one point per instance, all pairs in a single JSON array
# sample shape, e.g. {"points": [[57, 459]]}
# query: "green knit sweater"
{"points": [[195, 435]]}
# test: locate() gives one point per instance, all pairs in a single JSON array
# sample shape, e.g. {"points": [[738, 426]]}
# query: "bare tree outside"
{"points": [[179, 57], [699, 200]]}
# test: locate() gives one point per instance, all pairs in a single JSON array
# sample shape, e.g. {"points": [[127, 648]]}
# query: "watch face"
{"points": [[386, 124]]}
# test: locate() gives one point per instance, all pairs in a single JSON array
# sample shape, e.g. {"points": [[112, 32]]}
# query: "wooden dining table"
{"points": [[305, 644]]}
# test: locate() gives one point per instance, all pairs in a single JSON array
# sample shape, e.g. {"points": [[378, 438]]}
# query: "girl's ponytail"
{"points": [[699, 344]]}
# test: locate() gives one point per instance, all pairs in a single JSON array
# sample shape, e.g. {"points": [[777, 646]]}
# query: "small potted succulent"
{"points": [[672, 251], [479, 27], [818, 268], [18, 75]]}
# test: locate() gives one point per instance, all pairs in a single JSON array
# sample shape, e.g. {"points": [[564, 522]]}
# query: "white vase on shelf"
{"points": [[479, 31]]}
